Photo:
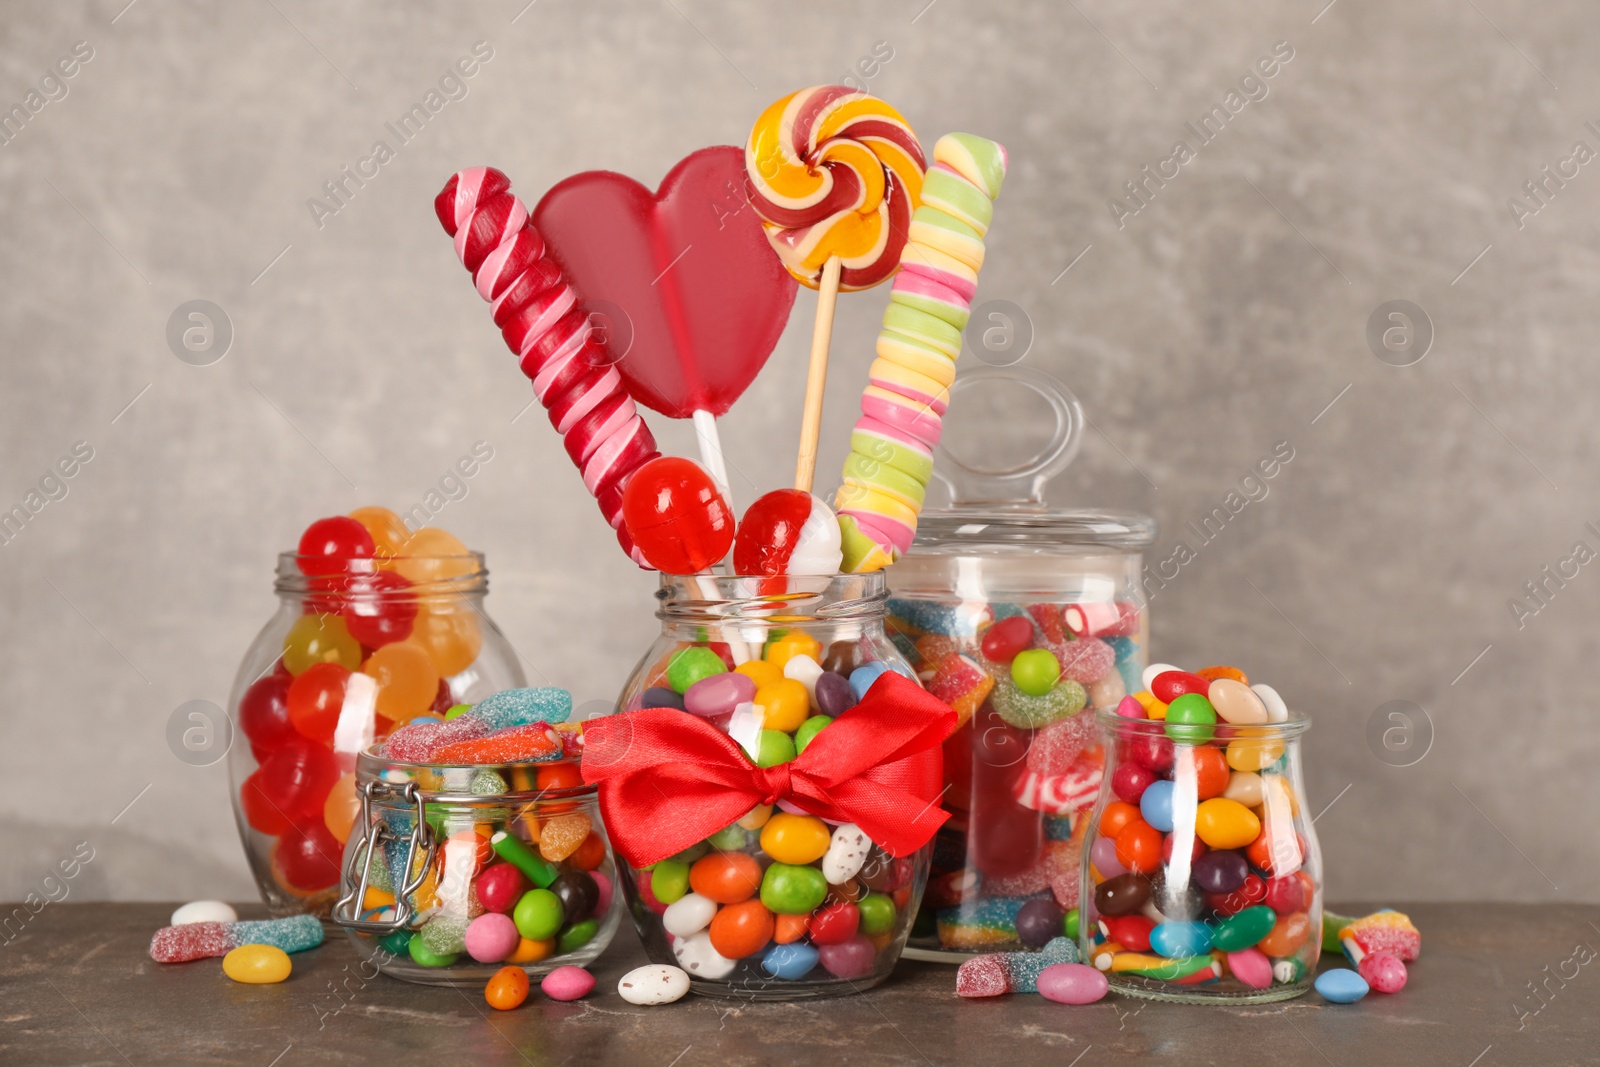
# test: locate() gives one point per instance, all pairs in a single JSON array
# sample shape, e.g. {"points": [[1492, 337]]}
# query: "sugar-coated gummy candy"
{"points": [[560, 836], [194, 941], [939, 617], [1032, 712], [652, 984], [567, 983], [1382, 931], [791, 961], [988, 921], [1341, 985], [523, 707], [417, 742], [983, 976], [961, 682], [1087, 660], [423, 956], [1054, 749], [486, 783], [1072, 983], [204, 911], [257, 964], [445, 935], [1383, 971]]}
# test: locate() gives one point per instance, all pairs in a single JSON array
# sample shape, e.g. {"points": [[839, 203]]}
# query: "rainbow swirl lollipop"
{"points": [[835, 172]]}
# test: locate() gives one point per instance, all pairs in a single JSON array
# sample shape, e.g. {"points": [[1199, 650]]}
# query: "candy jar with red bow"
{"points": [[770, 784]]}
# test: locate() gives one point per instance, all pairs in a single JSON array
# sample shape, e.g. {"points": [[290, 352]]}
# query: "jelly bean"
{"points": [[204, 911], [1279, 795], [1244, 929], [1122, 895], [1170, 685], [576, 936], [789, 961], [1236, 703], [795, 839], [1072, 983], [794, 643], [491, 937], [790, 928], [1069, 925], [257, 964], [740, 930], [690, 665], [578, 894], [1245, 787], [507, 989], [1220, 871], [791, 890], [659, 696], [423, 956], [1251, 891], [319, 639], [1211, 772], [1039, 922], [1132, 932], [1211, 674], [1177, 939], [500, 886], [835, 923], [1191, 719], [652, 984], [725, 877], [729, 839], [329, 545], [848, 848], [1383, 971], [776, 747], [835, 695], [700, 958], [1253, 754], [850, 960], [784, 704], [1153, 708], [1226, 823], [1288, 934], [567, 984], [1153, 753], [878, 914], [1289, 893], [1197, 848], [1155, 670], [1116, 815], [1005, 639], [1341, 986], [530, 863], [407, 680], [1275, 851], [805, 670], [669, 880], [315, 699], [1139, 847], [862, 677], [264, 715], [689, 914], [1036, 671], [1129, 781], [1250, 967], [1156, 806], [809, 730], [1103, 854], [1130, 708], [760, 672], [1277, 710], [531, 951], [718, 694], [756, 817], [538, 914]]}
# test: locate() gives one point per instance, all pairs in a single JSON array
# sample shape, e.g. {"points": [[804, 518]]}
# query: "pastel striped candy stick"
{"points": [[542, 320], [902, 408]]}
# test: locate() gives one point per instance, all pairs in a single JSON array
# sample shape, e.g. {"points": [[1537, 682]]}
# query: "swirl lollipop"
{"points": [[835, 175]]}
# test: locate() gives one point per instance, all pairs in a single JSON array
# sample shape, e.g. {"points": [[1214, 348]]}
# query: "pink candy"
{"points": [[417, 742], [491, 937], [1384, 972], [567, 983]]}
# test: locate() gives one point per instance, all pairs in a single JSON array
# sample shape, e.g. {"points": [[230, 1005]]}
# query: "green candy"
{"points": [[1190, 719], [955, 316], [669, 881], [1331, 925], [445, 935], [396, 943], [423, 956], [1241, 930], [954, 195], [486, 783], [690, 665], [1019, 709], [538, 914], [1036, 671], [1069, 924], [511, 849], [457, 711], [692, 853], [920, 326], [877, 914], [730, 839], [576, 936], [809, 729], [859, 469], [790, 890], [776, 747], [986, 155], [871, 446]]}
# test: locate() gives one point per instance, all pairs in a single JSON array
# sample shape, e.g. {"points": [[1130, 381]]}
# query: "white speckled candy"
{"points": [[1277, 710], [204, 911], [1154, 669], [688, 915], [846, 854], [655, 983], [696, 956]]}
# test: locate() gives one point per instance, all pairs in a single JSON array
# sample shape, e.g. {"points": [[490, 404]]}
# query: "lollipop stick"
{"points": [[805, 468], [710, 444]]}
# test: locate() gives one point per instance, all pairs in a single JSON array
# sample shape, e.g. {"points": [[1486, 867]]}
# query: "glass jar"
{"points": [[1202, 875], [1025, 619], [816, 938], [345, 659], [494, 864]]}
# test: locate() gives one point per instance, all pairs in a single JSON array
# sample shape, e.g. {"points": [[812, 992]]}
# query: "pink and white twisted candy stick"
{"points": [[538, 314]]}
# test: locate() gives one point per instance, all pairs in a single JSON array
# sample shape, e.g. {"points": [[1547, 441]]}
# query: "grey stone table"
{"points": [[77, 987]]}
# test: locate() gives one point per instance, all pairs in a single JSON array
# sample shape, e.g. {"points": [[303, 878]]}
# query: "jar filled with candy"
{"points": [[766, 698], [376, 626], [1025, 619], [1202, 875], [455, 870]]}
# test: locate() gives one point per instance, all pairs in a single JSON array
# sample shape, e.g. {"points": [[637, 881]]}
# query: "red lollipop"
{"points": [[787, 531], [677, 516]]}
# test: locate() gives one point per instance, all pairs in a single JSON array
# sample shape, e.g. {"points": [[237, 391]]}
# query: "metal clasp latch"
{"points": [[347, 912]]}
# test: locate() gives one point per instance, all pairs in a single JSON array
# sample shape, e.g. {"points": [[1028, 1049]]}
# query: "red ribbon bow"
{"points": [[669, 780]]}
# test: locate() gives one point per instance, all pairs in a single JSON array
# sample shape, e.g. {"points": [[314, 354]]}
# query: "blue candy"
{"points": [[938, 617], [1156, 807], [1124, 647], [1177, 939], [1025, 967], [520, 707], [1341, 986], [1132, 675], [862, 677], [792, 961], [1058, 828]]}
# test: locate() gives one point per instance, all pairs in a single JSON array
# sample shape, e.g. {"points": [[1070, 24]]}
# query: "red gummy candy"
{"points": [[983, 976], [533, 743]]}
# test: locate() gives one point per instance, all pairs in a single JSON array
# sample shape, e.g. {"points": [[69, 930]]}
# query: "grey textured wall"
{"points": [[1223, 317]]}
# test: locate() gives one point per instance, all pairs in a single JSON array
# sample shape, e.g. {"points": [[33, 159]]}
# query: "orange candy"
{"points": [[590, 854], [508, 988], [435, 555], [558, 776], [741, 930], [560, 837], [408, 682], [449, 633], [339, 811], [1211, 771], [1211, 674], [1118, 813], [1288, 934], [531, 951], [315, 699], [1273, 853], [726, 877], [787, 929], [389, 533], [1139, 847]]}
